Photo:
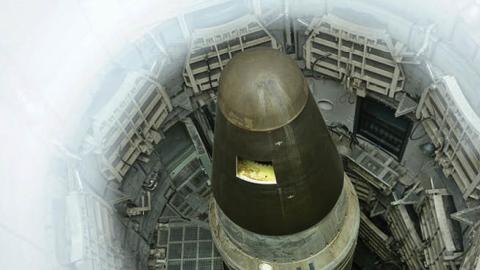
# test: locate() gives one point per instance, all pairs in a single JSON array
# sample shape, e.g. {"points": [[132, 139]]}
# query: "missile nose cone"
{"points": [[261, 90], [276, 170]]}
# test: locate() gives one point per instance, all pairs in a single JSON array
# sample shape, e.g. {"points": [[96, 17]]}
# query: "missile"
{"points": [[281, 199]]}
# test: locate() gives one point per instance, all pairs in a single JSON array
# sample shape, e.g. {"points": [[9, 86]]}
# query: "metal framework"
{"points": [[472, 255], [442, 250], [188, 174], [410, 245], [376, 240], [380, 170], [454, 128], [212, 48], [129, 124], [364, 58], [186, 246], [383, 195], [93, 242]]}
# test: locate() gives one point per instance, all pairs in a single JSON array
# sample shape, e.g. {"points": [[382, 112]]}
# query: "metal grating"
{"points": [[176, 234], [191, 233], [204, 265], [174, 265], [174, 251], [190, 250], [189, 247], [205, 249], [204, 234], [189, 265]]}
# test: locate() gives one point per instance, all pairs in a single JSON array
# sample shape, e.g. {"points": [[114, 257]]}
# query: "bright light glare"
{"points": [[51, 55]]}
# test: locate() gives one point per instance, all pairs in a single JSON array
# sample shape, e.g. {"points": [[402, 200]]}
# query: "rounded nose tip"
{"points": [[261, 89]]}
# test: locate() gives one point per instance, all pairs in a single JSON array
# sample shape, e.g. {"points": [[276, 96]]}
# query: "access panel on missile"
{"points": [[281, 198]]}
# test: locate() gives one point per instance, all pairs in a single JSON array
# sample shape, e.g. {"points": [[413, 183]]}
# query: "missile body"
{"points": [[281, 199]]}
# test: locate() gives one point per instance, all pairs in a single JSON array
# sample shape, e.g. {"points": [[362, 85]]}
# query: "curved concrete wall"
{"points": [[54, 54]]}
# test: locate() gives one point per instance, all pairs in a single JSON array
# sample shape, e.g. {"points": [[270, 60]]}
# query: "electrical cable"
{"points": [[431, 117], [312, 70], [341, 129], [415, 127]]}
